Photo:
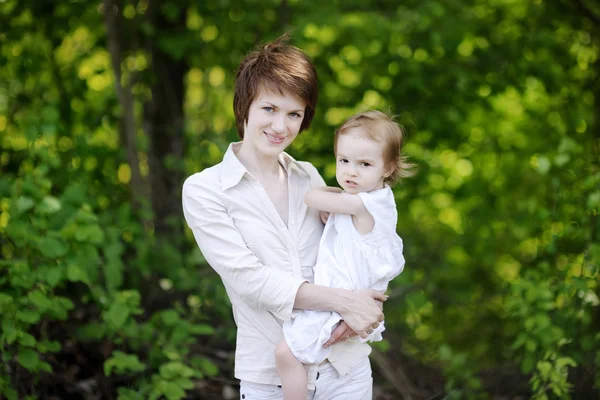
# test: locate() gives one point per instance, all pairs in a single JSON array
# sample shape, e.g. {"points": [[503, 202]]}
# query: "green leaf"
{"points": [[10, 393], [205, 365], [174, 370], [65, 303], [89, 233], [28, 358], [543, 165], [544, 367], [128, 394], [92, 331], [5, 299], [445, 352], [76, 274], [113, 274], [172, 391], [562, 362], [116, 315], [202, 329], [44, 366], [49, 205], [24, 204], [527, 364], [123, 363], [170, 317], [52, 274], [28, 316], [52, 248], [25, 339], [46, 346], [40, 300], [184, 383], [9, 331]]}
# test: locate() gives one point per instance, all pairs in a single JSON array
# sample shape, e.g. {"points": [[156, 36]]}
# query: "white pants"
{"points": [[355, 385]]}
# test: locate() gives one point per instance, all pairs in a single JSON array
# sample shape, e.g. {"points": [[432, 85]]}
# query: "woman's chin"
{"points": [[270, 148]]}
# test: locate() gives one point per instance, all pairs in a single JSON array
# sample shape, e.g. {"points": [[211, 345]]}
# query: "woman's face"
{"points": [[274, 121]]}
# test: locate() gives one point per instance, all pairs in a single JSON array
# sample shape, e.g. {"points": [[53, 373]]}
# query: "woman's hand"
{"points": [[344, 332], [363, 311]]}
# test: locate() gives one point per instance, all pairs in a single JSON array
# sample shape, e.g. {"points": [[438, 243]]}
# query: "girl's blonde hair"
{"points": [[382, 127]]}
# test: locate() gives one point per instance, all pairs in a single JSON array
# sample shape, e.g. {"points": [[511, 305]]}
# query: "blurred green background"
{"points": [[106, 107]]}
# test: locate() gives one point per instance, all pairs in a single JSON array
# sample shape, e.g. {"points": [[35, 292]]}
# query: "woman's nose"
{"points": [[278, 124]]}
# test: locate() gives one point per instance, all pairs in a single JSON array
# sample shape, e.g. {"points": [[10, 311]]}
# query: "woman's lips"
{"points": [[274, 139]]}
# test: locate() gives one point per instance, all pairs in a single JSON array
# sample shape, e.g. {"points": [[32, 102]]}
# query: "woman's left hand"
{"points": [[342, 332], [339, 334]]}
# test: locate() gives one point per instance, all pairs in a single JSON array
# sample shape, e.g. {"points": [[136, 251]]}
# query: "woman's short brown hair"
{"points": [[382, 127], [275, 66]]}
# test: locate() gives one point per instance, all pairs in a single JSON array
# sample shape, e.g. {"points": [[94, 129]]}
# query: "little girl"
{"points": [[359, 248]]}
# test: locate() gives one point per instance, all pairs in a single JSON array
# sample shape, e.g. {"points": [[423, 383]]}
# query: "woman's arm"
{"points": [[361, 309]]}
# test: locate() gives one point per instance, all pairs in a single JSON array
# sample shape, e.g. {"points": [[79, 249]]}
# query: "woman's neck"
{"points": [[257, 164]]}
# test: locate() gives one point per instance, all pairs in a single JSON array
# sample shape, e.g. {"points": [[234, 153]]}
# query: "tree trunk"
{"points": [[164, 125], [128, 126]]}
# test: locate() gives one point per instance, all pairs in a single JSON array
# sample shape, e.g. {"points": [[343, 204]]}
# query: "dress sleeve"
{"points": [[385, 263], [259, 285]]}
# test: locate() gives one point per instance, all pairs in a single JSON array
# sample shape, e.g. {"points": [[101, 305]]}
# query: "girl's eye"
{"points": [[366, 164], [343, 160]]}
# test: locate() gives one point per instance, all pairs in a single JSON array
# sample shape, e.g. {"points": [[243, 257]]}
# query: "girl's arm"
{"points": [[331, 199]]}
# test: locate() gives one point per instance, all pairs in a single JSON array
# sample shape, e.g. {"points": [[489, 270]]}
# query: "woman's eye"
{"points": [[268, 109], [295, 115]]}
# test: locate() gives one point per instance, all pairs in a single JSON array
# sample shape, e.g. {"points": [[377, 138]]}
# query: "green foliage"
{"points": [[499, 99]]}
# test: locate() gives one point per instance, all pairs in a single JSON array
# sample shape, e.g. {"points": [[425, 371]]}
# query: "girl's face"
{"points": [[359, 162], [274, 121]]}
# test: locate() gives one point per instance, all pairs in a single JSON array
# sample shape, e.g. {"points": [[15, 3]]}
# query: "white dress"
{"points": [[349, 260]]}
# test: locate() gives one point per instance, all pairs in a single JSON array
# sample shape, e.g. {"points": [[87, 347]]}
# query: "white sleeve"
{"points": [[222, 245], [386, 263]]}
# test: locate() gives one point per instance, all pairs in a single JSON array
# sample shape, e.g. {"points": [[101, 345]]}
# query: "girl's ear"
{"points": [[389, 170]]}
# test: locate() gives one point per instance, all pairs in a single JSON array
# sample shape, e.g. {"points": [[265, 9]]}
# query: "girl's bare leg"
{"points": [[291, 372]]}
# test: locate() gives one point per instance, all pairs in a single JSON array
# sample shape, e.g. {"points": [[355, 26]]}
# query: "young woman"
{"points": [[250, 221]]}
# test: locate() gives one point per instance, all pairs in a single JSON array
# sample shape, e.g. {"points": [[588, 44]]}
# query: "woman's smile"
{"points": [[275, 139]]}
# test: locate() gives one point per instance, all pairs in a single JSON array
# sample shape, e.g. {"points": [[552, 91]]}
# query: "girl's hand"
{"points": [[340, 333], [324, 216], [363, 312]]}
